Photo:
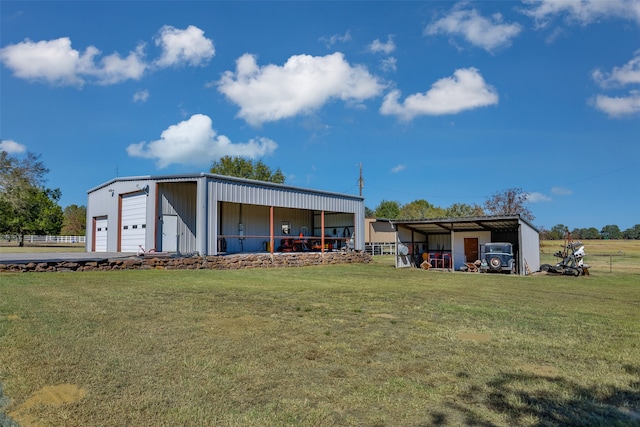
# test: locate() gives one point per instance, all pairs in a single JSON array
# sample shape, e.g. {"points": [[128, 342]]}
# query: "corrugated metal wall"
{"points": [[336, 225], [299, 200], [179, 195], [179, 198], [530, 239], [256, 226], [286, 198], [104, 201]]}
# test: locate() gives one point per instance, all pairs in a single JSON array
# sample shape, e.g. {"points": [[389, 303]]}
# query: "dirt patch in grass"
{"points": [[57, 395]]}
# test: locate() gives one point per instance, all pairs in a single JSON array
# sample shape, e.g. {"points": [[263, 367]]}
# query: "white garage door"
{"points": [[134, 222], [101, 235]]}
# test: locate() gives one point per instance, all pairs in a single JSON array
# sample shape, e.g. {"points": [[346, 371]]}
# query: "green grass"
{"points": [[366, 345]]}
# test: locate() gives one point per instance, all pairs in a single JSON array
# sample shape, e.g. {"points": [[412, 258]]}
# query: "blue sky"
{"points": [[445, 101]]}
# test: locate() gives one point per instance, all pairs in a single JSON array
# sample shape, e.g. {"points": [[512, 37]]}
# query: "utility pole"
{"points": [[361, 181]]}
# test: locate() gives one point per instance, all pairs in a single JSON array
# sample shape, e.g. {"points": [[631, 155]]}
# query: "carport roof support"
{"points": [[448, 225]]}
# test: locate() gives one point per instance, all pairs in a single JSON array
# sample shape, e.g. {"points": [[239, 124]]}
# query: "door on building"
{"points": [[169, 233], [100, 234], [471, 249], [134, 222]]}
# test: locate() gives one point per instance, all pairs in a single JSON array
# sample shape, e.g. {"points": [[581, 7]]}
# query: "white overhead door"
{"points": [[100, 236], [134, 222]]}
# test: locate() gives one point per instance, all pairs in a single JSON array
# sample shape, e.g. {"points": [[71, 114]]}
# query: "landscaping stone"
{"points": [[222, 262]]}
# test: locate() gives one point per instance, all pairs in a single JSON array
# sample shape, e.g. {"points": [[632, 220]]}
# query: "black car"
{"points": [[498, 258]]}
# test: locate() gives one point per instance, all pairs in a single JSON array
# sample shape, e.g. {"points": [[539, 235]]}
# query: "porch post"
{"points": [[322, 231], [271, 230], [201, 216], [453, 250]]}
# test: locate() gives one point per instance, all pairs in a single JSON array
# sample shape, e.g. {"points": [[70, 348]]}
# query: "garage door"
{"points": [[134, 222], [100, 236]]}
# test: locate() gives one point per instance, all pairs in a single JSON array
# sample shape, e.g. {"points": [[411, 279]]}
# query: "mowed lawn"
{"points": [[365, 345]]}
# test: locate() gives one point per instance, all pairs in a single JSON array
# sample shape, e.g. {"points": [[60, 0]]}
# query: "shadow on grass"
{"points": [[538, 400], [5, 421]]}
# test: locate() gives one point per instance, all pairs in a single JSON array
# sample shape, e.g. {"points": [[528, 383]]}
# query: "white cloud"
{"points": [[57, 63], [629, 73], [188, 46], [398, 168], [583, 12], [389, 64], [487, 33], [302, 85], [10, 146], [114, 69], [195, 142], [336, 38], [561, 191], [618, 106], [465, 90], [378, 47], [53, 61], [141, 96], [536, 197]]}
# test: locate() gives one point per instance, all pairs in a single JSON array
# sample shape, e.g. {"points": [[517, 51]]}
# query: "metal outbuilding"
{"points": [[454, 241], [210, 214]]}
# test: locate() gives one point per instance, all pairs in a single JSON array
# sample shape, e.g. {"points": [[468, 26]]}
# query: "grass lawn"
{"points": [[12, 247], [366, 345]]}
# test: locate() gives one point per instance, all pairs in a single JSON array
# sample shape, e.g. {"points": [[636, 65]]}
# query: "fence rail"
{"points": [[383, 248], [46, 239]]}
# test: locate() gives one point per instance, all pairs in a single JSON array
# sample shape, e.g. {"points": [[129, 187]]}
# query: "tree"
{"points": [[578, 233], [459, 210], [632, 233], [75, 221], [243, 168], [611, 232], [509, 202], [420, 209], [591, 233], [585, 233], [369, 213], [388, 209], [26, 205], [557, 232]]}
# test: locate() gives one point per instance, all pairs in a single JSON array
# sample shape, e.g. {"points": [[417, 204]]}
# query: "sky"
{"points": [[450, 102]]}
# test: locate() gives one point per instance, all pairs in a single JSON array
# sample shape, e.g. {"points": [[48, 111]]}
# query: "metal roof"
{"points": [[224, 178], [447, 225]]}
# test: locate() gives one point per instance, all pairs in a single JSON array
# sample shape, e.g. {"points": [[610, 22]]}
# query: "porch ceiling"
{"points": [[447, 225]]}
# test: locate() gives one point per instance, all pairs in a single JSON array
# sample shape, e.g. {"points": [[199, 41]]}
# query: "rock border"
{"points": [[218, 262]]}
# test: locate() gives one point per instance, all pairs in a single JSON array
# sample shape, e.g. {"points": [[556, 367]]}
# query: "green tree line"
{"points": [[608, 232], [506, 202]]}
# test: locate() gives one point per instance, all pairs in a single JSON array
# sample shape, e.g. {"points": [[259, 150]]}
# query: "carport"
{"points": [[450, 242]]}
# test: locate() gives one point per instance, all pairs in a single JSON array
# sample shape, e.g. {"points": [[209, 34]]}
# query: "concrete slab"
{"points": [[24, 258]]}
